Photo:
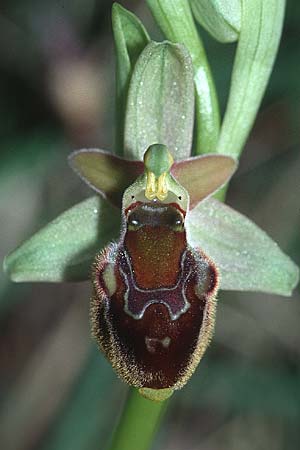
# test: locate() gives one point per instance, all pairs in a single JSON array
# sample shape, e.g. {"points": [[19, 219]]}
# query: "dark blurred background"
{"points": [[56, 391]]}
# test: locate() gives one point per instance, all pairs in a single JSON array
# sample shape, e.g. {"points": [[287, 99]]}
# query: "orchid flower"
{"points": [[154, 241]]}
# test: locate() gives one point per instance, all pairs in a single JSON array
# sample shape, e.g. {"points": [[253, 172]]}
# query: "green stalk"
{"points": [[175, 19], [261, 28], [138, 423], [257, 47]]}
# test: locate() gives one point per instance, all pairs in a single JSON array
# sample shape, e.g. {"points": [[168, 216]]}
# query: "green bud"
{"points": [[130, 38], [221, 18]]}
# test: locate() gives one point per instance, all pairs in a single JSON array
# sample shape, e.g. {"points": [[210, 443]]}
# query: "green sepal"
{"points": [[130, 38], [248, 259], [64, 249], [160, 107], [221, 18]]}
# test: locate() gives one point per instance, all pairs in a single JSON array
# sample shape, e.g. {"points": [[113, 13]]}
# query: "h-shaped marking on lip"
{"points": [[137, 299]]}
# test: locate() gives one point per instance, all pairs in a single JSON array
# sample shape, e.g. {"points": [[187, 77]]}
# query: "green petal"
{"points": [[249, 260], [110, 175], [160, 106], [202, 175], [64, 249], [130, 39], [221, 18], [106, 173]]}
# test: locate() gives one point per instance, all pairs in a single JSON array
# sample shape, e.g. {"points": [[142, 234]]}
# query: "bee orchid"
{"points": [[154, 295]]}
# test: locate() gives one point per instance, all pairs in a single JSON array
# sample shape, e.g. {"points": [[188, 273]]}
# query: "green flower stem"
{"points": [[138, 423], [258, 43], [175, 19]]}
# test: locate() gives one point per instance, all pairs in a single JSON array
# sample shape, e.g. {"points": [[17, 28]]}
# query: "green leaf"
{"points": [[94, 388], [202, 175], [64, 249], [160, 106], [221, 18], [245, 388], [257, 47], [130, 39], [108, 174], [248, 259], [175, 19]]}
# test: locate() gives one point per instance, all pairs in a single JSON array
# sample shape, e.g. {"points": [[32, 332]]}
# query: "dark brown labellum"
{"points": [[154, 301]]}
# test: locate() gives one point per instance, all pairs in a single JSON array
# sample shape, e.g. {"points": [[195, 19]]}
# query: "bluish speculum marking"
{"points": [[152, 229], [137, 299]]}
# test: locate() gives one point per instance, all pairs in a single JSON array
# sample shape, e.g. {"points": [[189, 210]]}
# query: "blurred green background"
{"points": [[57, 392]]}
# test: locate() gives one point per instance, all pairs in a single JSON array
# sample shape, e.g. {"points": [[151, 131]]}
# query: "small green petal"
{"points": [[249, 260], [160, 107], [202, 175], [110, 175], [221, 18], [64, 249], [106, 173]]}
